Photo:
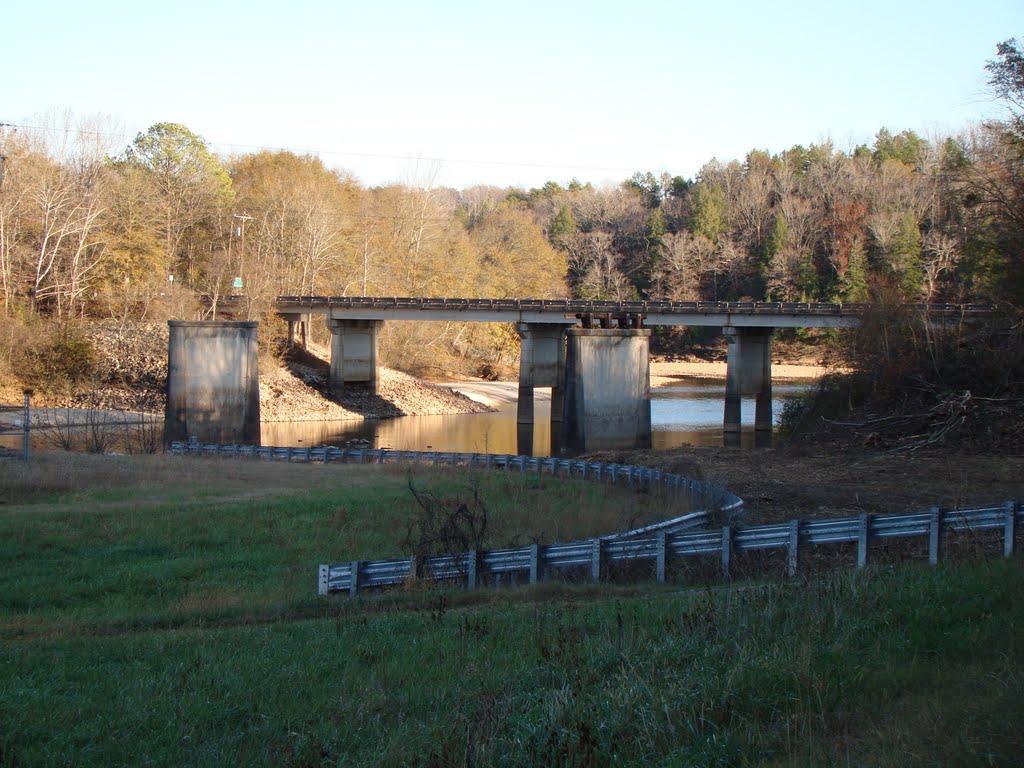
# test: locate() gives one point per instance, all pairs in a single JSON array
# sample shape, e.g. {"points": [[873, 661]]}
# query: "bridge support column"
{"points": [[353, 353], [607, 389], [749, 373], [541, 364], [298, 328]]}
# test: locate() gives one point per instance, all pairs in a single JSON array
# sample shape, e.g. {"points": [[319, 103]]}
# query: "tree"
{"points": [[854, 286], [562, 227], [647, 186], [53, 203], [905, 147], [1006, 78], [708, 212], [515, 258], [192, 188], [300, 226]]}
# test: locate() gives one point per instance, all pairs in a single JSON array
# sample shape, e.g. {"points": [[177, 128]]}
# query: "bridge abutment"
{"points": [[353, 353], [749, 373], [213, 387]]}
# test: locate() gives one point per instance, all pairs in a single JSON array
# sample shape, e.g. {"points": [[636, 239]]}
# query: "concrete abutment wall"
{"points": [[213, 388]]}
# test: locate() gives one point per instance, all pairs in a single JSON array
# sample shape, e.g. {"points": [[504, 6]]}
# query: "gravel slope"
{"points": [[131, 375]]}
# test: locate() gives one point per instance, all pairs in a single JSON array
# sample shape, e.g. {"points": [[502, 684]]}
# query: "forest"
{"points": [[164, 228]]}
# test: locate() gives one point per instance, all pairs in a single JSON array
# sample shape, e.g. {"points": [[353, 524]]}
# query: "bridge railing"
{"points": [[581, 307]]}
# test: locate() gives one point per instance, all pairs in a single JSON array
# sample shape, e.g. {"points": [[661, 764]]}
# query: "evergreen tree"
{"points": [[708, 212], [562, 227], [854, 284], [905, 257]]}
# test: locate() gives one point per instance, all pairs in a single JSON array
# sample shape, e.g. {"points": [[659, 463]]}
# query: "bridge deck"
{"points": [[570, 311]]}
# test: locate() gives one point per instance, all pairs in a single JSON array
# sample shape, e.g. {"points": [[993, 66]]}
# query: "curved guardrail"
{"points": [[658, 544], [699, 494], [539, 562]]}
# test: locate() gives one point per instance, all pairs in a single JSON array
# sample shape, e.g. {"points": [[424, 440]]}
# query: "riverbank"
{"points": [[667, 372], [664, 373]]}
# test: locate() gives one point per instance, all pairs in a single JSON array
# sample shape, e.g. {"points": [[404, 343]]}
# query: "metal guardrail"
{"points": [[19, 422], [582, 307], [699, 494], [659, 543], [538, 562]]}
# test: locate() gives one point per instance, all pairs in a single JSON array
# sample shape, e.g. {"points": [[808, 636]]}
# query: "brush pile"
{"points": [[914, 385]]}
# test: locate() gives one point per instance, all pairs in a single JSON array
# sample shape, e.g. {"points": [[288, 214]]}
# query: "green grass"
{"points": [[140, 630], [94, 542]]}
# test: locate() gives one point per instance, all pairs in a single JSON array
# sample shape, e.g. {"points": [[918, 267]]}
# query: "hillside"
{"points": [[129, 373]]}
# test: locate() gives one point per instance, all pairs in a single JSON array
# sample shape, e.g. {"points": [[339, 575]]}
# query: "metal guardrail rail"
{"points": [[699, 494], [660, 543], [539, 562], [582, 307]]}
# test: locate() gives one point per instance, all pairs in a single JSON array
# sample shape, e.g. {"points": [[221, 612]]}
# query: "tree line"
{"points": [[91, 229]]}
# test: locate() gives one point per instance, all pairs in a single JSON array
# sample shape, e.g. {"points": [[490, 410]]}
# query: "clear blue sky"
{"points": [[529, 91]]}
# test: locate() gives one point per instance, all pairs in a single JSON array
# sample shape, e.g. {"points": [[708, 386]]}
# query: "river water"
{"points": [[690, 412]]}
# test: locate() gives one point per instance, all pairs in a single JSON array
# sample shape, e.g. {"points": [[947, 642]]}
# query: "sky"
{"points": [[458, 93]]}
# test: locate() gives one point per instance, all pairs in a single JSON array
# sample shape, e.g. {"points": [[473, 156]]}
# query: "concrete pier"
{"points": [[607, 390], [353, 352], [749, 373], [541, 364], [213, 389], [298, 330]]}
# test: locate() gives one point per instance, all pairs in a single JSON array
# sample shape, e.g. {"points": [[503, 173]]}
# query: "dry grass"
{"points": [[58, 474]]}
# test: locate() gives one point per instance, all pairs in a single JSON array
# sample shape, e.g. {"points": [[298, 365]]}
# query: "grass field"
{"points": [[162, 611]]}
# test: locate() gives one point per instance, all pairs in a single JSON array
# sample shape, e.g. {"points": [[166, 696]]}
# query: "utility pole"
{"points": [[240, 231], [238, 285]]}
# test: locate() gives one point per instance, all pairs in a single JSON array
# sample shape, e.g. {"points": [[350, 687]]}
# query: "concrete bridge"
{"points": [[593, 354]]}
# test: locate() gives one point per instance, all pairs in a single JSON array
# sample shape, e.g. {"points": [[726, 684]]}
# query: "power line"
{"points": [[346, 153]]}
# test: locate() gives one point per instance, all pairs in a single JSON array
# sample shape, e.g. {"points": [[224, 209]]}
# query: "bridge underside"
{"points": [[597, 369]]}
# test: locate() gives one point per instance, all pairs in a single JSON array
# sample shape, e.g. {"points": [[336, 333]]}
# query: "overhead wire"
{"points": [[343, 153]]}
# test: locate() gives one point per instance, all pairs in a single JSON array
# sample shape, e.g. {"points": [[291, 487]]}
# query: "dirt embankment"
{"points": [[298, 392], [130, 374], [837, 480]]}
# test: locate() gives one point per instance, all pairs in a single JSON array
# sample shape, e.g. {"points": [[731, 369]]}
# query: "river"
{"points": [[687, 412]]}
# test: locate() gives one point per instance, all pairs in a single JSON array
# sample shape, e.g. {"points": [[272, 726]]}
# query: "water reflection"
{"points": [[690, 413]]}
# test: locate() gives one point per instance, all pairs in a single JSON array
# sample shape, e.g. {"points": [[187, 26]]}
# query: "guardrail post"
{"points": [[794, 544], [414, 568], [934, 535], [325, 579], [473, 561], [536, 570], [596, 560], [726, 549], [1009, 528], [863, 524], [661, 563], [353, 578]]}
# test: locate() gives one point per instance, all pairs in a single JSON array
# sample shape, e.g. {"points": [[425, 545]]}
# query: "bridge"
{"points": [[593, 354]]}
